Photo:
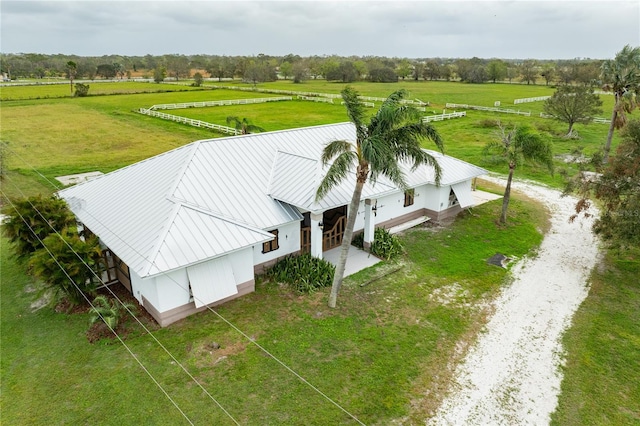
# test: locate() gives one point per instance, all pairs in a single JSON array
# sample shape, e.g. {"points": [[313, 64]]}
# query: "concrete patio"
{"points": [[357, 259]]}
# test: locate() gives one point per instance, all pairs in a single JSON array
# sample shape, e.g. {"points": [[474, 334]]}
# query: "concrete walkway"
{"points": [[481, 197], [357, 259]]}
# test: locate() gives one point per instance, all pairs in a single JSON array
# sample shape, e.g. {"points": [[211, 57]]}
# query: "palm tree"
{"points": [[515, 146], [243, 126], [109, 311], [72, 69], [621, 76], [392, 135]]}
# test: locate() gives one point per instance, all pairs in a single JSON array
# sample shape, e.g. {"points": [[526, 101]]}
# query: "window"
{"points": [[408, 197], [453, 200], [271, 245]]}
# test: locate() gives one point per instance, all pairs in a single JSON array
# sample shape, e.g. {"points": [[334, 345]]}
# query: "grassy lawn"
{"points": [[377, 355], [601, 385]]}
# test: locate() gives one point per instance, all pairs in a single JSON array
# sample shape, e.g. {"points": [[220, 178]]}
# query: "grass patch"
{"points": [[370, 354], [600, 385]]}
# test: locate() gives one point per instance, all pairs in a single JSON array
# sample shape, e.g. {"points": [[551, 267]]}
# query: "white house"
{"points": [[191, 227]]}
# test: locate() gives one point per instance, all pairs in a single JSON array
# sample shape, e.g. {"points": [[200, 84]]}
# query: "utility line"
{"points": [[302, 379], [98, 312], [129, 311]]}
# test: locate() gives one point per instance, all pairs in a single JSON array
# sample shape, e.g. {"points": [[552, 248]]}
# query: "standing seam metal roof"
{"points": [[214, 196]]}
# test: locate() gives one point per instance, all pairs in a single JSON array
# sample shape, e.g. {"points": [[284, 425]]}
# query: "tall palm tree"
{"points": [[392, 135], [515, 146], [243, 126], [621, 76]]}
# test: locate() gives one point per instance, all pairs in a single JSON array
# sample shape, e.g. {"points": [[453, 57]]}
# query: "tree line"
{"points": [[262, 68]]}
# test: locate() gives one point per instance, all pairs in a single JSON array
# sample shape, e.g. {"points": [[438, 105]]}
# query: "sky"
{"points": [[539, 29]]}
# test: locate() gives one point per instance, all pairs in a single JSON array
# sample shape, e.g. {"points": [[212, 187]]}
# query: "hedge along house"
{"points": [[190, 228]]}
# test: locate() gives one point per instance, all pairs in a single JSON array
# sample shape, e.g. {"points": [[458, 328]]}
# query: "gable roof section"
{"points": [[453, 171], [295, 180], [194, 236]]}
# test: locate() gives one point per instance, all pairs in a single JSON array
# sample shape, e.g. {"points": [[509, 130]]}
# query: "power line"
{"points": [[97, 311], [128, 310], [302, 379]]}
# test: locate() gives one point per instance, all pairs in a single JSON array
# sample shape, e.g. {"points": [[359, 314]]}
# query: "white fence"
{"points": [[595, 119], [189, 121], [443, 116], [492, 109], [368, 104], [526, 100], [315, 99], [220, 103]]}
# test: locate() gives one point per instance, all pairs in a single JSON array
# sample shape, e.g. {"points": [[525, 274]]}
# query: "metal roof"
{"points": [[218, 195]]}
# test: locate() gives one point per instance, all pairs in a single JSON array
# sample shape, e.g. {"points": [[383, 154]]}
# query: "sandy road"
{"points": [[511, 375]]}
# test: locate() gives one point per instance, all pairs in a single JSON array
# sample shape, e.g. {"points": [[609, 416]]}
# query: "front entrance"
{"points": [[334, 222]]}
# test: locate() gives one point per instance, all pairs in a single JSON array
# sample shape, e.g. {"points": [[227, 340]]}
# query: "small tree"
{"points": [[67, 265], [516, 146], [286, 69], [159, 74], [82, 90], [621, 76], [31, 222], [618, 191], [573, 104], [528, 71], [197, 79], [243, 126], [72, 69]]}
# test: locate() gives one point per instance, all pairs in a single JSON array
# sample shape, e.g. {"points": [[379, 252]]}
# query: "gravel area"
{"points": [[511, 375]]}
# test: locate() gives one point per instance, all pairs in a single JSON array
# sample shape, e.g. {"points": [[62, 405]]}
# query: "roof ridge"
{"points": [[217, 215], [183, 169]]}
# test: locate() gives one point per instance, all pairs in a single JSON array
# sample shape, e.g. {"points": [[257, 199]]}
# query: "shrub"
{"points": [[304, 273], [67, 265], [31, 222], [385, 245], [109, 310], [82, 90]]}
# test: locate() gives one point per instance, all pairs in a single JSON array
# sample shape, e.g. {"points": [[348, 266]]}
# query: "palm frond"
{"points": [[355, 107], [334, 149], [337, 172]]}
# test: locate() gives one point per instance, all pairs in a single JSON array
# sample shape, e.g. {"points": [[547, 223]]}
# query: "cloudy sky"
{"points": [[540, 29]]}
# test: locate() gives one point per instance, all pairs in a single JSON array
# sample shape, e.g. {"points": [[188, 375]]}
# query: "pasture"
{"points": [[406, 323], [64, 135]]}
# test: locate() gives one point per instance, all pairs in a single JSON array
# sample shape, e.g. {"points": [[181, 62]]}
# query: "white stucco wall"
{"points": [[392, 206], [139, 289], [171, 290], [288, 242]]}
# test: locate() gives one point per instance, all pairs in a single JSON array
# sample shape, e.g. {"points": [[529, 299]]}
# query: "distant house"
{"points": [[191, 227]]}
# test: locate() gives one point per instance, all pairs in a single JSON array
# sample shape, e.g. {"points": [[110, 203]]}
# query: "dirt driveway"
{"points": [[512, 376]]}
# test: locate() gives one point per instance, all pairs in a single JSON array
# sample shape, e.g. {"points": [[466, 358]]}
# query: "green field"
{"points": [[52, 375], [60, 136]]}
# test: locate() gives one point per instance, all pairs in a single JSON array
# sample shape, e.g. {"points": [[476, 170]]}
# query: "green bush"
{"points": [[67, 265], [31, 220], [82, 90], [304, 273], [385, 245]]}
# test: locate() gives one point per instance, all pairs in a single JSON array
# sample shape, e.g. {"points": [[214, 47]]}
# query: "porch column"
{"points": [[369, 223], [316, 235]]}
